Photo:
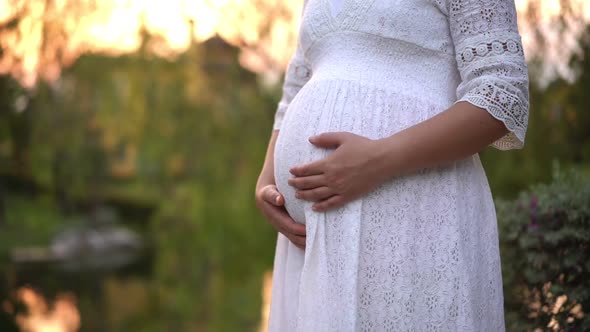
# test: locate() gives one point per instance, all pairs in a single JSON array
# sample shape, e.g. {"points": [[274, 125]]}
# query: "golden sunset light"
{"points": [[113, 27], [60, 316], [54, 34]]}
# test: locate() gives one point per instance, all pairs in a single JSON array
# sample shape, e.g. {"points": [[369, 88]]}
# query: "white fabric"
{"points": [[419, 253], [336, 7]]}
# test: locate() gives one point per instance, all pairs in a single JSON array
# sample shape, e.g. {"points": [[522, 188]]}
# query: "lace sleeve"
{"points": [[491, 62], [297, 74]]}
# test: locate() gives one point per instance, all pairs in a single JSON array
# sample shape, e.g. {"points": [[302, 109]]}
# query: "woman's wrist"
{"points": [[454, 134], [388, 157]]}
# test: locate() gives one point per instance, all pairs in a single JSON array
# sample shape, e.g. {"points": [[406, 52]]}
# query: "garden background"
{"points": [[132, 133]]}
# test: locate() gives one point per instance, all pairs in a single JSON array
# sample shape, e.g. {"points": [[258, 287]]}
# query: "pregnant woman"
{"points": [[372, 176]]}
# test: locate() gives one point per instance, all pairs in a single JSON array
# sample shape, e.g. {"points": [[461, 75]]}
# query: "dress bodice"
{"points": [[444, 50], [419, 22]]}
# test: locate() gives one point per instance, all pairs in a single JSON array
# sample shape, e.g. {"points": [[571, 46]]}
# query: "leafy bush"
{"points": [[545, 244]]}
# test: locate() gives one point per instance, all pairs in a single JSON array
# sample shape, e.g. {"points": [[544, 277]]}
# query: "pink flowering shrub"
{"points": [[545, 243]]}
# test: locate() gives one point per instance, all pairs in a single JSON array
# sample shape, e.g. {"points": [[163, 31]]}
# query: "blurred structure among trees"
{"points": [[131, 115]]}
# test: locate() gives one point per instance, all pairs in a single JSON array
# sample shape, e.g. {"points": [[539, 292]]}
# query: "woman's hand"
{"points": [[271, 203], [349, 172], [360, 164]]}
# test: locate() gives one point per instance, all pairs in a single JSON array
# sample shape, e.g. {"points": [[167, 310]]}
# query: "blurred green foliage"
{"points": [[545, 243], [185, 138]]}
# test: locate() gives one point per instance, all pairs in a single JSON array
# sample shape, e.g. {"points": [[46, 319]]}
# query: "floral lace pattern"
{"points": [[419, 253], [497, 47]]}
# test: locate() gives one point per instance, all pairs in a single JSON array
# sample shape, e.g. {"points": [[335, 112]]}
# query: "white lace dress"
{"points": [[419, 253]]}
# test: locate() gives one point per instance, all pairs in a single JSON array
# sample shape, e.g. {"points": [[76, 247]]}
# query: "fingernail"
{"points": [[277, 198]]}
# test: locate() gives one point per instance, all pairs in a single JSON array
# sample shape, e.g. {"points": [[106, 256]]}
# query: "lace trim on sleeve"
{"points": [[495, 78], [506, 104], [470, 54]]}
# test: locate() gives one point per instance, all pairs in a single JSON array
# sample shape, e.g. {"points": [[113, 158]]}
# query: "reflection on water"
{"points": [[60, 316], [78, 281], [96, 245]]}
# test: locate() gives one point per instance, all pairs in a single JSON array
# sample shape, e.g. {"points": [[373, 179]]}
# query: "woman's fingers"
{"points": [[272, 195], [293, 231], [271, 205], [313, 168], [308, 182], [298, 241], [315, 195], [281, 220], [286, 223], [330, 203]]}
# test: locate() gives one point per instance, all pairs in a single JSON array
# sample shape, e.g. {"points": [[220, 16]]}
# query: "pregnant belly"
{"points": [[338, 105]]}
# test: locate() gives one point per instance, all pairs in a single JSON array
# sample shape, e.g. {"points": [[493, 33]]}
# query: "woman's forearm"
{"points": [[267, 172], [454, 134]]}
